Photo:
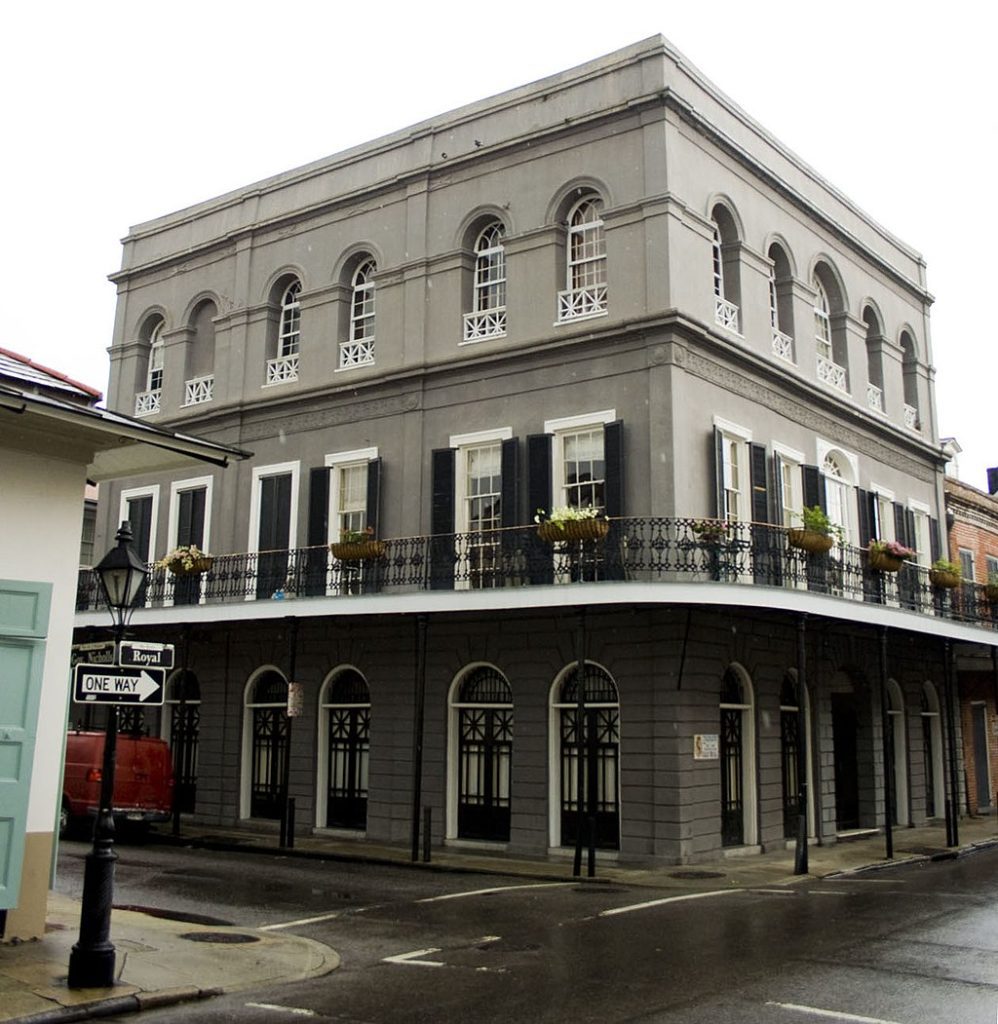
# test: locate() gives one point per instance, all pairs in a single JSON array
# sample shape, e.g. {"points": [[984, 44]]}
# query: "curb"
{"points": [[116, 1005]]}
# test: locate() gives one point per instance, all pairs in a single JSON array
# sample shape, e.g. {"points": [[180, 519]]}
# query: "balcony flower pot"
{"points": [[991, 592], [357, 550], [197, 567], [187, 560], [554, 530], [943, 579], [711, 533], [812, 541], [887, 555], [883, 562]]}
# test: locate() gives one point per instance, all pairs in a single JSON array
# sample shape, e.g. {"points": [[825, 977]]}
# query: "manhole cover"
{"points": [[172, 915], [224, 938], [694, 875]]}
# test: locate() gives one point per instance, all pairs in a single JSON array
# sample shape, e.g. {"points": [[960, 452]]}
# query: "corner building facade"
{"points": [[612, 292]]}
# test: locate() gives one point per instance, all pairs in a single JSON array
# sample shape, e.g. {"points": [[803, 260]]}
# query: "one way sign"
{"points": [[110, 684]]}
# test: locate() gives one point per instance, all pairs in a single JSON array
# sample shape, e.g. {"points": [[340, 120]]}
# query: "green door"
{"points": [[24, 609]]}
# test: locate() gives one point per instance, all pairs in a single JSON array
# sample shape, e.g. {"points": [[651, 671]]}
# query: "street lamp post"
{"points": [[91, 963]]}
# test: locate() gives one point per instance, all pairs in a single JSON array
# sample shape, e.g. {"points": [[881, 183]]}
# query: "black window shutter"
{"points": [[318, 506], [184, 516], [613, 455], [510, 512], [198, 498], [720, 505], [442, 550], [140, 520], [866, 503], [283, 517], [814, 487], [373, 509], [538, 474], [901, 525], [935, 541], [265, 535], [760, 483]]}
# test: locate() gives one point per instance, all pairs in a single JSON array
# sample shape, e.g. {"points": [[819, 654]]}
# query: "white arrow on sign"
{"points": [[142, 686]]}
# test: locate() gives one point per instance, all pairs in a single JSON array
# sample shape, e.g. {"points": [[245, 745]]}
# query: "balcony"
{"points": [[725, 314], [783, 346], [875, 398], [832, 374], [648, 551], [911, 418], [581, 303], [147, 402], [283, 369], [199, 390], [490, 323], [356, 353]]}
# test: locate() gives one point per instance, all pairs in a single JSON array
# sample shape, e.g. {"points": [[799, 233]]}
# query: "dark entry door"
{"points": [[732, 798], [274, 534], [980, 714], [349, 746], [601, 741], [844, 727], [486, 737]]}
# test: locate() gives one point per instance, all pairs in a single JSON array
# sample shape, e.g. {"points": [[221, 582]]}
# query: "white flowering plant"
{"points": [[186, 557], [567, 514]]}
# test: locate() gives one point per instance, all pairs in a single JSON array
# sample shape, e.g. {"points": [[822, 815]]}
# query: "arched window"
{"points": [[147, 402], [909, 366], [345, 731], [874, 361], [829, 332], [359, 349], [591, 793], [585, 286], [822, 321], [199, 383], [289, 329], [899, 762], [488, 316], [932, 750], [838, 489], [737, 750], [284, 341], [181, 728], [265, 745], [725, 256], [781, 303], [482, 755]]}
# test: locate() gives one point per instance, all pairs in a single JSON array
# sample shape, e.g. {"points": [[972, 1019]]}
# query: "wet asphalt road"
{"points": [[914, 945]]}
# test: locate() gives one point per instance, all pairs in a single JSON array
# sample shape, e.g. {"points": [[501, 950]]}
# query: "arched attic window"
{"points": [[585, 285], [727, 280], [282, 367], [358, 349], [829, 337], [909, 367], [199, 385], [487, 318], [781, 303], [874, 361], [147, 401]]}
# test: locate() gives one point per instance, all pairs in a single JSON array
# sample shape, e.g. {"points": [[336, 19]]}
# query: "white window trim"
{"points": [[142, 492], [276, 469], [587, 419], [733, 429], [883, 492], [788, 454], [788, 458], [340, 460], [824, 448], [357, 455], [480, 437], [196, 483], [919, 506]]}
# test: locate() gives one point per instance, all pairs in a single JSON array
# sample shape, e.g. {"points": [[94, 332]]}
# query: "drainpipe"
{"points": [[800, 853], [888, 745], [180, 754], [419, 712]]}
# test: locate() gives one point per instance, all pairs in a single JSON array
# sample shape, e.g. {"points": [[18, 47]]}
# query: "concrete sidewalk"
{"points": [[162, 961]]}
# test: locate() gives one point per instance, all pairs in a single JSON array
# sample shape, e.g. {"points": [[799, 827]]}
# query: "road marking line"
{"points": [[311, 920], [774, 892], [486, 892], [297, 1010], [831, 1014], [410, 958], [667, 899]]}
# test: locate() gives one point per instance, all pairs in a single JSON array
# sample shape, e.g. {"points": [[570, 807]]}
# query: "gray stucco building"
{"points": [[608, 290]]}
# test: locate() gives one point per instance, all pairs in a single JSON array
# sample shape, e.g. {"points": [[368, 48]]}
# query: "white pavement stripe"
{"points": [[667, 899], [814, 1011], [486, 892], [296, 1010], [311, 920], [412, 958], [773, 892]]}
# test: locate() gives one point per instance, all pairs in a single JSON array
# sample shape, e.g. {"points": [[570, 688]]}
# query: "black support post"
{"points": [[287, 838], [419, 712], [180, 749], [953, 800], [888, 745], [582, 827], [800, 851]]}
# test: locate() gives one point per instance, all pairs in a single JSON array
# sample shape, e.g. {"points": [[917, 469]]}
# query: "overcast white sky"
{"points": [[118, 112]]}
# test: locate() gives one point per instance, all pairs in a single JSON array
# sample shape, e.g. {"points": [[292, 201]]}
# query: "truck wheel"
{"points": [[64, 820]]}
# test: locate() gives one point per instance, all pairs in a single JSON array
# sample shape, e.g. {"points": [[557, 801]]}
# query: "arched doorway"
{"points": [[597, 788], [482, 743], [932, 747], [899, 745], [737, 751], [181, 725], [790, 740], [265, 745], [344, 744]]}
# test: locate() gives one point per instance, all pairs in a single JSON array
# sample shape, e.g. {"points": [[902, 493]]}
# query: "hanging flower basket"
{"points": [[810, 541], [553, 531], [357, 550], [196, 568], [187, 560], [991, 592], [884, 562], [943, 580]]}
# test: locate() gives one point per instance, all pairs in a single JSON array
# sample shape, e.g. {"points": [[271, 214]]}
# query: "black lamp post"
{"points": [[91, 962]]}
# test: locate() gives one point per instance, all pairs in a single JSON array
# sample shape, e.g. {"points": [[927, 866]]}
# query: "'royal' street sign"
{"points": [[110, 684], [134, 654]]}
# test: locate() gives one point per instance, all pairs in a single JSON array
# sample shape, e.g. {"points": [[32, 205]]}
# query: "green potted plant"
{"points": [[887, 555], [186, 560], [944, 574], [991, 587], [570, 523], [816, 534], [356, 545], [712, 532]]}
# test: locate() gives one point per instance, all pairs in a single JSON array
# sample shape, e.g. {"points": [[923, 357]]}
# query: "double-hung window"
{"points": [[731, 443], [585, 294], [488, 316], [358, 350]]}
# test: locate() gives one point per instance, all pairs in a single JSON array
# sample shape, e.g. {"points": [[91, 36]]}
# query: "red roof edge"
{"points": [[52, 373]]}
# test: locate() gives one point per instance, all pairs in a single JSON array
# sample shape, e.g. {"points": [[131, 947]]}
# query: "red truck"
{"points": [[143, 779]]}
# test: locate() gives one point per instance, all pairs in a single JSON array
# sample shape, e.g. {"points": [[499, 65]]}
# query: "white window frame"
{"points": [[462, 443], [487, 318], [253, 544], [883, 528], [569, 425], [197, 483], [967, 562], [789, 462], [342, 578], [142, 492], [363, 324], [822, 321], [923, 542], [583, 298], [289, 329], [735, 440], [156, 351]]}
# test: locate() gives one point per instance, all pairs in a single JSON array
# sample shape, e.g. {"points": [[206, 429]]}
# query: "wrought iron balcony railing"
{"points": [[645, 550]]}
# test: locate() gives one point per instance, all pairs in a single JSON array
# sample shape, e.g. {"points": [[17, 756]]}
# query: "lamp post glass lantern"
{"points": [[91, 963]]}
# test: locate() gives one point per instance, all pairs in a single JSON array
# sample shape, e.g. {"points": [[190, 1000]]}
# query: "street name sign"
{"points": [[134, 654], [113, 684], [99, 653]]}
